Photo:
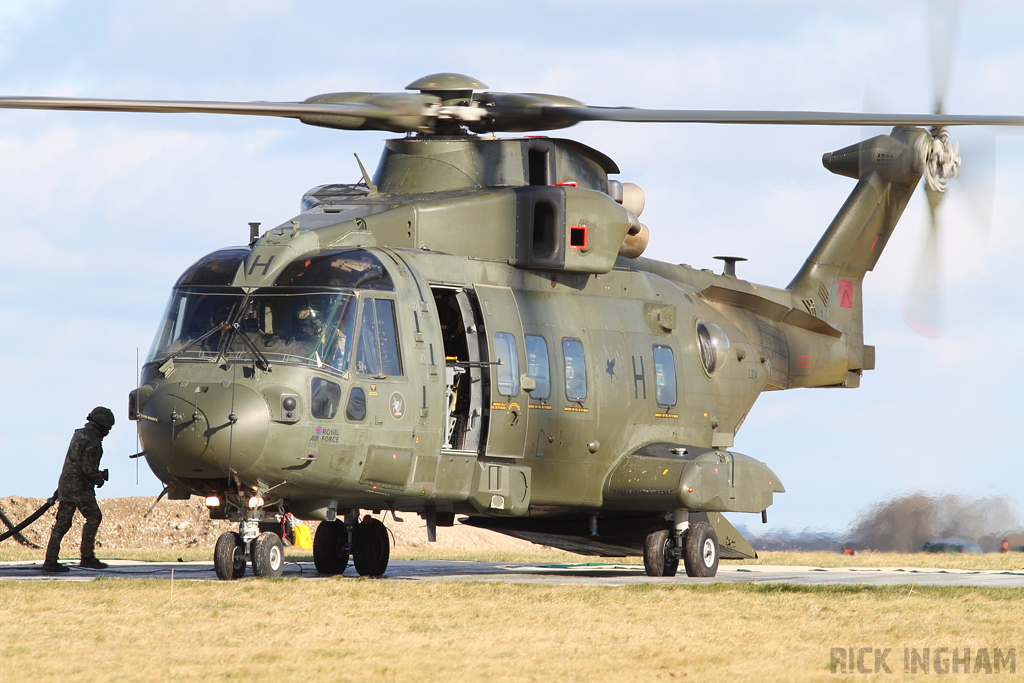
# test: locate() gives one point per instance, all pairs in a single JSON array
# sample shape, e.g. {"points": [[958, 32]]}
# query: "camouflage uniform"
{"points": [[77, 490]]}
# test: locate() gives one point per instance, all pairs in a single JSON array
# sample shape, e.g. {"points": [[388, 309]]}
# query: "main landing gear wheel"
{"points": [[659, 556], [229, 557], [700, 551], [330, 554], [371, 547], [268, 555]]}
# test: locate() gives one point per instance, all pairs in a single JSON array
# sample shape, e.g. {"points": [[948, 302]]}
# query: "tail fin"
{"points": [[829, 285]]}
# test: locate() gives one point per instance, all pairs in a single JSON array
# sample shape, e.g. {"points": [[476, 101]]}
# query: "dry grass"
{"points": [[364, 630], [997, 561]]}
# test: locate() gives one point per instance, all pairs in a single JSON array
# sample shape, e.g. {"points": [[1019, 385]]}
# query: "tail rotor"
{"points": [[940, 165]]}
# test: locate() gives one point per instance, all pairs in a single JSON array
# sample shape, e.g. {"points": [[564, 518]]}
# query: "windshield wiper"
{"points": [[198, 340], [261, 361], [234, 326]]}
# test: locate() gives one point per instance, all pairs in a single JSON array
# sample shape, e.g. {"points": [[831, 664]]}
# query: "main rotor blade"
{"points": [[408, 112], [781, 118], [282, 109]]}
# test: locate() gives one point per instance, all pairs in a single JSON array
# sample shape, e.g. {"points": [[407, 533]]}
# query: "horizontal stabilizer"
{"points": [[770, 310]]}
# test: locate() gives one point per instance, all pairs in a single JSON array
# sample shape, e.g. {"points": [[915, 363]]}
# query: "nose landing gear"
{"points": [[229, 557], [268, 555], [233, 550]]}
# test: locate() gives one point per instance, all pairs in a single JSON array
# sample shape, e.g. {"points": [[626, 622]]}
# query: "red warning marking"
{"points": [[845, 294], [803, 362], [874, 243]]}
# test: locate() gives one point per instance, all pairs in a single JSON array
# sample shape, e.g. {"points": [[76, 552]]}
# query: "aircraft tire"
{"points": [[371, 548], [658, 558], [229, 557], [268, 555], [330, 555], [700, 550]]}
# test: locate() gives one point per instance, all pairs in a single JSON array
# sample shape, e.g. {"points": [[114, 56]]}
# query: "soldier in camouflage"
{"points": [[77, 490]]}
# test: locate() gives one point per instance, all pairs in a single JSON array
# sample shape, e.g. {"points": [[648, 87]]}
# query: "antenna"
{"points": [[366, 176], [138, 381], [730, 264], [232, 418]]}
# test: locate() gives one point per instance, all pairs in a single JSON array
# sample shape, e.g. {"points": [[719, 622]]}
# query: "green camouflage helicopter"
{"points": [[474, 331]]}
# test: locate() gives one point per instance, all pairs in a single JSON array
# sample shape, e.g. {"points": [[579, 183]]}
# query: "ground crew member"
{"points": [[77, 490]]}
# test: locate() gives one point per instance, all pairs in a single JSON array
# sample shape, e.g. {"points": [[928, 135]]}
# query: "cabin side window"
{"points": [[355, 411], [575, 370], [378, 340], [507, 368], [538, 367], [325, 398], [664, 376]]}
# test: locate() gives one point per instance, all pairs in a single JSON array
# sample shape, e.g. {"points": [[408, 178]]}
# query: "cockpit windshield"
{"points": [[309, 327]]}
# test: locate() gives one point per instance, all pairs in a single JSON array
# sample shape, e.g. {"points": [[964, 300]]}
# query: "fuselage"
{"points": [[616, 360], [465, 335]]}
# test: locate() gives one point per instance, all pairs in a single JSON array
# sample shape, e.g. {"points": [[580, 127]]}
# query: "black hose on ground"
{"points": [[16, 530]]}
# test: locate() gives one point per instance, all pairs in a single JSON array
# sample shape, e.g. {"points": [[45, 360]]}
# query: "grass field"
{"points": [[368, 630]]}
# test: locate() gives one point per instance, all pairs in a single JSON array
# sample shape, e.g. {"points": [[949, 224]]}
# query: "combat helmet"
{"points": [[102, 417], [307, 316]]}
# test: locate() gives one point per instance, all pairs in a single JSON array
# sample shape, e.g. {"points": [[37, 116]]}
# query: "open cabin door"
{"points": [[506, 355]]}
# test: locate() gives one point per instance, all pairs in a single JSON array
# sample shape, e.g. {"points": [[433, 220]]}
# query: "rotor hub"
{"points": [[940, 160], [453, 89]]}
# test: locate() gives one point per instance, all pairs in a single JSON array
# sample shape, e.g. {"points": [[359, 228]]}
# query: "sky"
{"points": [[100, 213]]}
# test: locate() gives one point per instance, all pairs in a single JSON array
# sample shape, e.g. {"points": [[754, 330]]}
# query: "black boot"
{"points": [[92, 563], [54, 566]]}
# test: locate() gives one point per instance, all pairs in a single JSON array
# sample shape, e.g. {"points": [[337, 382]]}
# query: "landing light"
{"points": [[255, 502], [212, 501]]}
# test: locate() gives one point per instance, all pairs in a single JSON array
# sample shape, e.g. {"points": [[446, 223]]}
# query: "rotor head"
{"points": [[453, 89]]}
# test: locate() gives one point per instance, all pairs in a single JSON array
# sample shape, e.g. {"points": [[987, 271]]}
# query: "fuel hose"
{"points": [[16, 530]]}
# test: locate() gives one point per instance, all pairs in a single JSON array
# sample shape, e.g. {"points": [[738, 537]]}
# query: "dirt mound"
{"points": [[135, 523]]}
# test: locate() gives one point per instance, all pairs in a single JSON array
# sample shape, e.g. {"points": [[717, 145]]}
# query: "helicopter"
{"points": [[474, 331]]}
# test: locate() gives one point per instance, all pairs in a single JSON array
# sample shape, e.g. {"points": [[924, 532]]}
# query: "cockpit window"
{"points": [[352, 268], [218, 268], [314, 328]]}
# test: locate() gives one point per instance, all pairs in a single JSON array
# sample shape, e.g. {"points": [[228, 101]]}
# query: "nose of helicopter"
{"points": [[199, 431]]}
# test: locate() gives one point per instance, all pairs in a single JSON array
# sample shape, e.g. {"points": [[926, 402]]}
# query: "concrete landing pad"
{"points": [[551, 574]]}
